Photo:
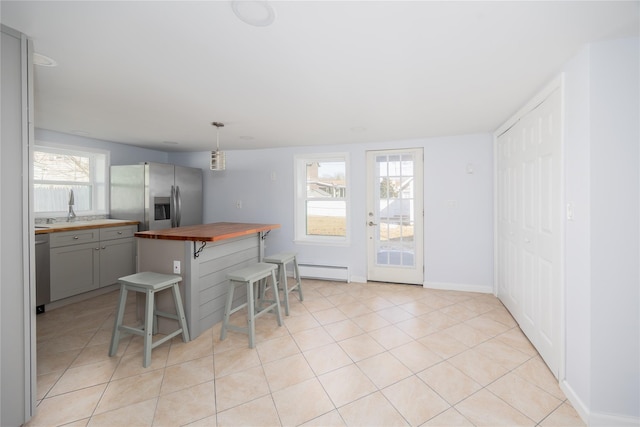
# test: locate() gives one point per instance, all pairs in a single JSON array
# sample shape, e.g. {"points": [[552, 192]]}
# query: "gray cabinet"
{"points": [[117, 253], [87, 259]]}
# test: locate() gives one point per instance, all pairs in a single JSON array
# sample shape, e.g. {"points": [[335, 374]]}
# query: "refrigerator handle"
{"points": [[172, 209], [178, 206]]}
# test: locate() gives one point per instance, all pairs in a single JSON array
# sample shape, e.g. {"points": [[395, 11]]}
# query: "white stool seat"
{"points": [[281, 260], [250, 276], [148, 283]]}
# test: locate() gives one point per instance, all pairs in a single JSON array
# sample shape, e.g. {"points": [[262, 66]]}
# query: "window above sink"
{"points": [[58, 169]]}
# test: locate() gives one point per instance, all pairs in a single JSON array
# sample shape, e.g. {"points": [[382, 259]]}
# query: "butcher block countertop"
{"points": [[207, 232], [81, 225]]}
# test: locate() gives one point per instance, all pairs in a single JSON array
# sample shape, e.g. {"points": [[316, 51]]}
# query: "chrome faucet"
{"points": [[71, 216]]}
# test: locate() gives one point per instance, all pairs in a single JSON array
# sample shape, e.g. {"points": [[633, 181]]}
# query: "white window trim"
{"points": [[300, 191], [69, 149]]}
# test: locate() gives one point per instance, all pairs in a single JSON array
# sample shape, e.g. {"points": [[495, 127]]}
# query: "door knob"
{"points": [[371, 223]]}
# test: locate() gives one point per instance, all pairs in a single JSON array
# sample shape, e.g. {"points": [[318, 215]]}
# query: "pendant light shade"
{"points": [[217, 156]]}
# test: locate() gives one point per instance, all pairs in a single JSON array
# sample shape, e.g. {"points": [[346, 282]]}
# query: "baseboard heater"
{"points": [[324, 272]]}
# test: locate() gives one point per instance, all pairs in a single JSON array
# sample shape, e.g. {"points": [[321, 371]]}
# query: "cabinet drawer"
{"points": [[110, 233], [65, 238]]}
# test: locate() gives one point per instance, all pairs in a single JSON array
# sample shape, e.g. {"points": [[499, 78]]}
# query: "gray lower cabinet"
{"points": [[85, 260], [117, 253]]}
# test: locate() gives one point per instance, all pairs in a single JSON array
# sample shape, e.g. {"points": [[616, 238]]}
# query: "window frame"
{"points": [[301, 199], [98, 160]]}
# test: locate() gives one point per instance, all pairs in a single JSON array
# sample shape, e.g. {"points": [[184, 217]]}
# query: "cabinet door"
{"points": [[117, 259], [74, 269]]}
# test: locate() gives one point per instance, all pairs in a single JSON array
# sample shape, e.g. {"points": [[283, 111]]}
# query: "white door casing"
{"points": [[529, 222], [394, 218]]}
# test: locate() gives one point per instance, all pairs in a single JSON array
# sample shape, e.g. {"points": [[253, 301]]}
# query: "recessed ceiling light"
{"points": [[170, 142], [258, 13], [246, 137], [358, 129], [80, 132], [43, 61]]}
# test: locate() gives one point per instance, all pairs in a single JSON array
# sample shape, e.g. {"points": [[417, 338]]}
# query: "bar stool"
{"points": [[281, 259], [250, 276], [148, 283]]}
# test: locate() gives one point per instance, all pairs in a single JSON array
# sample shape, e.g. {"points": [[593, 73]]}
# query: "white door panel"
{"points": [[528, 219]]}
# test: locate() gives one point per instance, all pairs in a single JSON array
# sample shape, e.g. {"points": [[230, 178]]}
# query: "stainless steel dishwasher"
{"points": [[43, 293]]}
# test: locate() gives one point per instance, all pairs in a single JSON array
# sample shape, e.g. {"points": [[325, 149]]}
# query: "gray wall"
{"points": [[121, 154], [458, 241], [603, 242]]}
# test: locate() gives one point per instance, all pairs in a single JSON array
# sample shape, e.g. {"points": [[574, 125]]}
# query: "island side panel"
{"points": [[158, 256], [209, 277]]}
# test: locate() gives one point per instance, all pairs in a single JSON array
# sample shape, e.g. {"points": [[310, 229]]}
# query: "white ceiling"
{"points": [[157, 73]]}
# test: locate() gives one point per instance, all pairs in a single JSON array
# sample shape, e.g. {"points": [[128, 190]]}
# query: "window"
{"points": [[57, 170], [322, 205]]}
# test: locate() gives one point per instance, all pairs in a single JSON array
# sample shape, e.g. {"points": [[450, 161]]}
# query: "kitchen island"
{"points": [[204, 255]]}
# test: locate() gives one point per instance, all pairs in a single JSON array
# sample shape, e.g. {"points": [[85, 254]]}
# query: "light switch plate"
{"points": [[570, 211]]}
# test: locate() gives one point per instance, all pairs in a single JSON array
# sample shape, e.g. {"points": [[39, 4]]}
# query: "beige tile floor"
{"points": [[349, 355]]}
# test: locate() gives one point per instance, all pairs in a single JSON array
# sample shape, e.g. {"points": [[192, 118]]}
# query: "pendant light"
{"points": [[217, 157]]}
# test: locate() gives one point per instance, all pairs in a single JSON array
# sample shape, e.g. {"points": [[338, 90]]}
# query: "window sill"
{"points": [[322, 242]]}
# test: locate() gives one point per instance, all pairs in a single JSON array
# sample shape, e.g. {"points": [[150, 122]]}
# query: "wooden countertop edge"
{"points": [[172, 234], [84, 227]]}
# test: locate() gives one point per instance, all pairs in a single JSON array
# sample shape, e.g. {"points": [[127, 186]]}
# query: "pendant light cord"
{"points": [[218, 125]]}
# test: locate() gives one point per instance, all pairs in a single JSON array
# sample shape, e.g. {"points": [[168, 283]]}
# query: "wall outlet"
{"points": [[176, 267], [239, 204]]}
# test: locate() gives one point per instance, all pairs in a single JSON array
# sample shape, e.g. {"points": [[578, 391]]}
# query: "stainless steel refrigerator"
{"points": [[158, 195]]}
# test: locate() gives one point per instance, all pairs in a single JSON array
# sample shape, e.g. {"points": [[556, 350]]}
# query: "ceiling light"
{"points": [[258, 13], [43, 61], [217, 157]]}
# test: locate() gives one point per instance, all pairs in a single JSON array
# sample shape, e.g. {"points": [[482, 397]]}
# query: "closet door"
{"points": [[529, 222]]}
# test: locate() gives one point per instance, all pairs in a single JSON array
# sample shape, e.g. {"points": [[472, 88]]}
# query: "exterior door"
{"points": [[529, 224], [395, 216]]}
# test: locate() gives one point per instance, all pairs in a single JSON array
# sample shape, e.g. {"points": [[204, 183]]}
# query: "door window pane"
{"points": [[394, 243]]}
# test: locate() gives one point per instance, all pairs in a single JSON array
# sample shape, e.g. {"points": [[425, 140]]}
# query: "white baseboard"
{"points": [[485, 289], [596, 419], [358, 279], [575, 401]]}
